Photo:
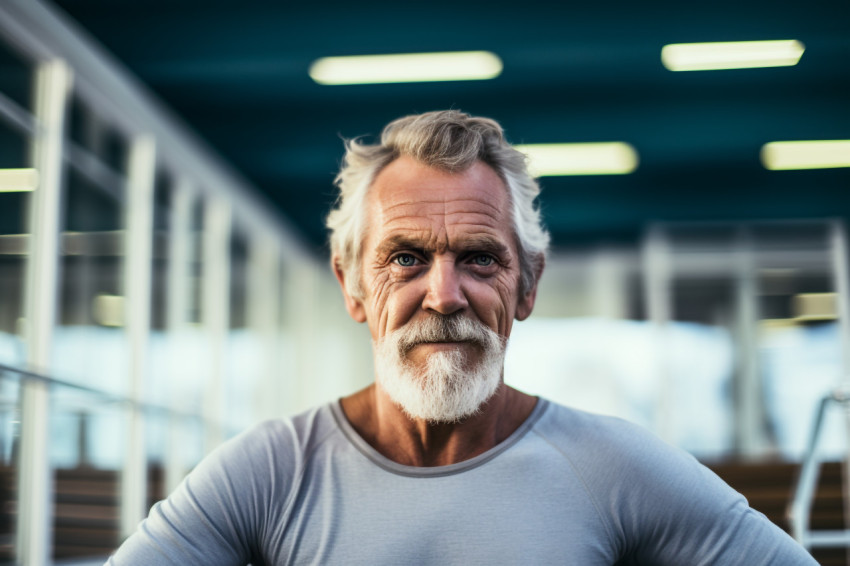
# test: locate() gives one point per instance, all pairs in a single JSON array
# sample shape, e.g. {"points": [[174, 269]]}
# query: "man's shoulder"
{"points": [[594, 441], [577, 426], [302, 431], [283, 442]]}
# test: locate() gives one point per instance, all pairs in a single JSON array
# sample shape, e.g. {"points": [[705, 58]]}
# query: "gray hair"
{"points": [[449, 140]]}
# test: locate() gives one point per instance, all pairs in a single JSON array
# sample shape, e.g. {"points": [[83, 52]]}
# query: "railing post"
{"points": [[216, 310], [658, 298], [750, 437], [34, 478], [137, 284], [177, 318], [841, 285]]}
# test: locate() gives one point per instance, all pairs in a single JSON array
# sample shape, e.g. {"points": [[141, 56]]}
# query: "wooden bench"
{"points": [[768, 486]]}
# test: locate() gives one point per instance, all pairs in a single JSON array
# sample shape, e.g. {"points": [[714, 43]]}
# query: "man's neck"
{"points": [[416, 442]]}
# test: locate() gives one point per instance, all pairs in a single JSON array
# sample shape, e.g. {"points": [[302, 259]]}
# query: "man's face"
{"points": [[439, 249], [439, 243]]}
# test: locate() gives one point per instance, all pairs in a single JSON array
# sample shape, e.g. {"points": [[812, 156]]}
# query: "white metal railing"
{"points": [[800, 508]]}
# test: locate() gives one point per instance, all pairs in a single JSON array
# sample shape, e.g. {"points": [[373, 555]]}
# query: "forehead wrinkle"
{"points": [[450, 205]]}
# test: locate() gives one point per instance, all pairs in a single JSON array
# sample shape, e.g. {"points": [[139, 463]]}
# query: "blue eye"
{"points": [[405, 260], [483, 260]]}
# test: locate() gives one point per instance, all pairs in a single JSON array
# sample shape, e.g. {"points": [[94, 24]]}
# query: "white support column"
{"points": [[750, 434], [303, 309], [286, 333], [607, 291], [216, 309], [841, 285], [35, 483], [658, 298], [263, 307], [177, 313], [137, 285]]}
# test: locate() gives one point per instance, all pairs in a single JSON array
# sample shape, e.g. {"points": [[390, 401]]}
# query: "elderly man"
{"points": [[438, 247]]}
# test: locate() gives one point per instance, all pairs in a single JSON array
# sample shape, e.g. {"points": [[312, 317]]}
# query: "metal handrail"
{"points": [[800, 509], [106, 397]]}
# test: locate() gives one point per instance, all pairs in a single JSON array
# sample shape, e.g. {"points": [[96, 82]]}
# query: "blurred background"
{"points": [[165, 170]]}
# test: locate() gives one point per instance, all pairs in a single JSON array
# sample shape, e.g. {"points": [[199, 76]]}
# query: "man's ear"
{"points": [[526, 302], [353, 306]]}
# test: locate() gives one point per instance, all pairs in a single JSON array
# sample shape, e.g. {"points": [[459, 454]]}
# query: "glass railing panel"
{"points": [[16, 76], [95, 134], [10, 421], [90, 343], [15, 196], [244, 355], [88, 447]]}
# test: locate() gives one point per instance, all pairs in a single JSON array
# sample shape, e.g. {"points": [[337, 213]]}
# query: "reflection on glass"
{"points": [[574, 366], [157, 425], [156, 382], [186, 358], [14, 241], [94, 134], [87, 451], [16, 77], [90, 343], [244, 355], [169, 436], [9, 435], [196, 264]]}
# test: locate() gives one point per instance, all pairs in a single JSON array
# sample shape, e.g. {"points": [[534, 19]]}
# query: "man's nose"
{"points": [[444, 294]]}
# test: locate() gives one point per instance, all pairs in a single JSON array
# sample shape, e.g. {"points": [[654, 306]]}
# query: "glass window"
{"points": [[90, 345], [87, 451], [196, 263], [244, 353], [10, 389], [188, 348], [156, 440], [91, 132], [16, 77], [156, 382], [15, 198]]}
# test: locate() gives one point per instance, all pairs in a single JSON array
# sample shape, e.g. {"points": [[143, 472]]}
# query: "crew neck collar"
{"points": [[433, 471]]}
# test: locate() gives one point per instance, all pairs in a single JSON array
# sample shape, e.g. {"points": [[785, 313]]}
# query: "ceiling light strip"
{"points": [[18, 180], [731, 55], [811, 154], [405, 68], [560, 159]]}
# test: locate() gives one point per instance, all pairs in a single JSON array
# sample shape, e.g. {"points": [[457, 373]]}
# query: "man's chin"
{"points": [[419, 354], [440, 398]]}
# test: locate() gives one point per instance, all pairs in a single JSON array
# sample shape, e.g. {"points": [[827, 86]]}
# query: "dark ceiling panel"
{"points": [[237, 73]]}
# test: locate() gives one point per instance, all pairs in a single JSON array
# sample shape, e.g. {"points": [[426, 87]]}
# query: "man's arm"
{"points": [[673, 510], [663, 507], [215, 515]]}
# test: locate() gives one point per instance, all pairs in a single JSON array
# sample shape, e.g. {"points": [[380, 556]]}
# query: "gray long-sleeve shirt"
{"points": [[567, 487]]}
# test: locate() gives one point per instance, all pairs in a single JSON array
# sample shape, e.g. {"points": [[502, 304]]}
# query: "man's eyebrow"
{"points": [[399, 242], [483, 244], [466, 244]]}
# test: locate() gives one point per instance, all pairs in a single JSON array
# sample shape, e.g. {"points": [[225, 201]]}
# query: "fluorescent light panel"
{"points": [[406, 68], [18, 180], [109, 310], [731, 55], [813, 154], [606, 158], [815, 306]]}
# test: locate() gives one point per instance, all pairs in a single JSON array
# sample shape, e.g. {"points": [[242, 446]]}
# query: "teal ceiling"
{"points": [[237, 73]]}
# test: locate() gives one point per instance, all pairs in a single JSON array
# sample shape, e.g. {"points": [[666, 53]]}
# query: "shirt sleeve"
{"points": [[216, 514], [670, 510]]}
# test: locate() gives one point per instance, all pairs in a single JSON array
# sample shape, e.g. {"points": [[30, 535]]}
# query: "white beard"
{"points": [[445, 390]]}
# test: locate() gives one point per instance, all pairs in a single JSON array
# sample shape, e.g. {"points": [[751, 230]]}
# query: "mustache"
{"points": [[445, 328]]}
